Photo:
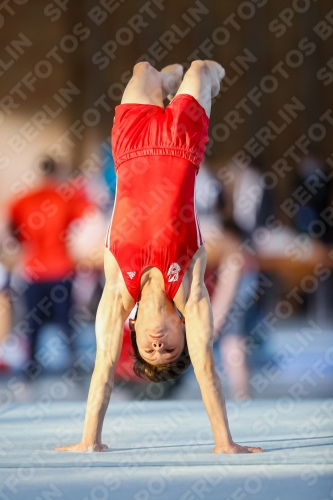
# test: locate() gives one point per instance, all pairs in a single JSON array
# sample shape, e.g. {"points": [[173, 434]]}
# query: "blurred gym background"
{"points": [[264, 192]]}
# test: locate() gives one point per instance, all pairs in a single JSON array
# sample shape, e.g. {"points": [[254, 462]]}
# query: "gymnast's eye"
{"points": [[169, 350], [149, 352]]}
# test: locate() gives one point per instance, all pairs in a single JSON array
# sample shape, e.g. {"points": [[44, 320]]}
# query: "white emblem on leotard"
{"points": [[131, 274], [173, 272]]}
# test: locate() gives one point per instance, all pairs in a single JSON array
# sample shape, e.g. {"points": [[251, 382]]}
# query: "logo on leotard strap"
{"points": [[131, 274], [173, 272]]}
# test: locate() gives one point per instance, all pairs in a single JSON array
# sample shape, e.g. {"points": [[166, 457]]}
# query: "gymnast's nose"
{"points": [[157, 344]]}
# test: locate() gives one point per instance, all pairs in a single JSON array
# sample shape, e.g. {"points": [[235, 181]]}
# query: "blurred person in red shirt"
{"points": [[40, 221]]}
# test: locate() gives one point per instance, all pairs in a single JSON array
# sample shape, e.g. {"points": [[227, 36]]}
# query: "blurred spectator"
{"points": [[222, 246], [315, 187], [86, 236], [5, 304], [228, 215], [40, 221]]}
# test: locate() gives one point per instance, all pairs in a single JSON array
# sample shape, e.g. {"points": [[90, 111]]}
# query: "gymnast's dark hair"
{"points": [[158, 373]]}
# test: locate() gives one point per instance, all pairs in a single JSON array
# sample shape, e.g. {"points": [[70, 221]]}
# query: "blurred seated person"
{"points": [[5, 305], [5, 295], [224, 262], [229, 213], [40, 221], [314, 176]]}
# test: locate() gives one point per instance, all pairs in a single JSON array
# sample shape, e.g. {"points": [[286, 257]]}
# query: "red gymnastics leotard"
{"points": [[157, 154]]}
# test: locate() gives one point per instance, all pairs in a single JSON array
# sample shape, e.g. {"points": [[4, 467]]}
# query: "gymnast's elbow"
{"points": [[106, 358], [203, 361], [205, 371]]}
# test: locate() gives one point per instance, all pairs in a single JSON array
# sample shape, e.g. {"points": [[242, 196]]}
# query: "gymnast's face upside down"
{"points": [[159, 343]]}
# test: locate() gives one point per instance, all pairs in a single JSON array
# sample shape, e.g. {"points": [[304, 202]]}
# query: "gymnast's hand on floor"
{"points": [[81, 447], [236, 448]]}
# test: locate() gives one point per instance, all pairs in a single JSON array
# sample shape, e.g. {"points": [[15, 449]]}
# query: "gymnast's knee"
{"points": [[143, 67], [199, 66]]}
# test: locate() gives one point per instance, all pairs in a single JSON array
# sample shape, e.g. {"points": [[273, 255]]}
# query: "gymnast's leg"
{"points": [[149, 86], [202, 81]]}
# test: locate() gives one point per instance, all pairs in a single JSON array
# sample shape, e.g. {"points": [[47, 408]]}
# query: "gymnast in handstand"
{"points": [[155, 255]]}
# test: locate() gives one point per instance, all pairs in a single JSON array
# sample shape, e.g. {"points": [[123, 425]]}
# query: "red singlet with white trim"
{"points": [[157, 154]]}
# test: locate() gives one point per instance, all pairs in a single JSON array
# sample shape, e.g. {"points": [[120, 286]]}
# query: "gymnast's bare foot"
{"points": [[172, 76], [80, 447], [234, 448], [218, 73]]}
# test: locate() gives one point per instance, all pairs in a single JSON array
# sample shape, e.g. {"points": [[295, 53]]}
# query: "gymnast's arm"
{"points": [[199, 335], [110, 319]]}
